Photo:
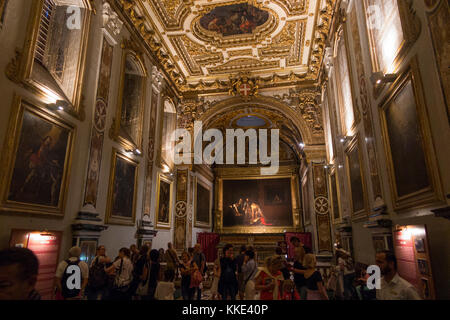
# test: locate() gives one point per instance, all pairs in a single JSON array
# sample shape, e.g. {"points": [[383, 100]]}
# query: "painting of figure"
{"points": [[203, 206], [234, 19], [40, 161], [253, 203], [124, 188], [163, 206]]}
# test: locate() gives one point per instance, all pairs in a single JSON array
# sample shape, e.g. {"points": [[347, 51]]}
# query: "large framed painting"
{"points": [[128, 125], [163, 202], [203, 204], [334, 190], [53, 58], [306, 203], [249, 204], [122, 191], [408, 144], [36, 161], [356, 181]]}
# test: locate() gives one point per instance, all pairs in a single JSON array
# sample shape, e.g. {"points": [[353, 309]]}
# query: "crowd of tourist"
{"points": [[137, 274]]}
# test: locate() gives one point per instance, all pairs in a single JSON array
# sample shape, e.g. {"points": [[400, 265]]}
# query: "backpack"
{"points": [[66, 292], [97, 275]]}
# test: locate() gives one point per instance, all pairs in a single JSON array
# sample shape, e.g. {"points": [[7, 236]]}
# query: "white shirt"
{"points": [[344, 262], [397, 289], [63, 265], [165, 290], [124, 277]]}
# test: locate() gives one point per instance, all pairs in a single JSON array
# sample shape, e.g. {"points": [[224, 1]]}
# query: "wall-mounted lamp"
{"points": [[301, 145], [135, 151], [59, 105], [344, 139], [379, 78]]}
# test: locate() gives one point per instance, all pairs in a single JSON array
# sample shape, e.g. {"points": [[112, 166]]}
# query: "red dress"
{"points": [[268, 294]]}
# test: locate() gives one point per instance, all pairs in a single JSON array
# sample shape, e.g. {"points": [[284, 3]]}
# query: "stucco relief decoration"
{"points": [[110, 19]]}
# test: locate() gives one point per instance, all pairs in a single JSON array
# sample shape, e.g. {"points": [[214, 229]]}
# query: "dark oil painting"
{"points": [[164, 202], [356, 182], [40, 159], [203, 204], [123, 193], [234, 19], [405, 140], [261, 202]]}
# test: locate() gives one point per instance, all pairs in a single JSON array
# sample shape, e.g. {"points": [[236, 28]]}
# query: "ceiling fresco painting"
{"points": [[201, 43], [234, 19]]}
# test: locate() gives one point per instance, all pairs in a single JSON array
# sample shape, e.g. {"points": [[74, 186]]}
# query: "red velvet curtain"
{"points": [[305, 238], [209, 242]]}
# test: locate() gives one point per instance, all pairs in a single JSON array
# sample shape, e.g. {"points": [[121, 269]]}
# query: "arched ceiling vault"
{"points": [[200, 43]]}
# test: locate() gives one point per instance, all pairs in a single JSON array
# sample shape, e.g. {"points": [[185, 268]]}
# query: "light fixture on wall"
{"points": [[135, 151], [344, 139], [59, 105], [379, 78], [301, 145]]}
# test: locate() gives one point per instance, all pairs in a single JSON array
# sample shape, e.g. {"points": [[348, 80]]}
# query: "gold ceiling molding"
{"points": [[243, 64], [294, 7], [200, 67], [171, 13], [259, 34], [237, 53], [306, 103]]}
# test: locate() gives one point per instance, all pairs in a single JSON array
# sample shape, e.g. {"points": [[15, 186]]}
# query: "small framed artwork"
{"points": [[36, 161], [423, 266], [425, 288], [203, 204], [164, 202], [419, 245], [121, 207]]}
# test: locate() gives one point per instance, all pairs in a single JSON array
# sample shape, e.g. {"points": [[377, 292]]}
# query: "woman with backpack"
{"points": [[98, 279], [249, 268], [228, 283]]}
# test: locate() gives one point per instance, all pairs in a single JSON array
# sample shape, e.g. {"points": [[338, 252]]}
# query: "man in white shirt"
{"points": [[74, 256], [393, 287]]}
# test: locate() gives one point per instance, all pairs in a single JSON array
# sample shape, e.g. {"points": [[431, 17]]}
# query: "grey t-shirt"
{"points": [[249, 269]]}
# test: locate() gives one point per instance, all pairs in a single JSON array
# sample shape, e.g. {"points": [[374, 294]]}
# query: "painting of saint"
{"points": [[262, 202], [40, 162], [234, 19], [124, 188], [164, 202], [203, 209]]}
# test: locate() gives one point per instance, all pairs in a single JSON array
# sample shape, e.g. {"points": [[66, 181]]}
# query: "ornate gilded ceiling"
{"points": [[202, 43]]}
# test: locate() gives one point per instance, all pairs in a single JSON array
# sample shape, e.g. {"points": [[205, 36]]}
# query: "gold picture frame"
{"points": [[35, 175], [411, 28], [197, 222], [335, 196], [353, 157], [254, 174], [165, 193], [22, 68], [410, 80], [122, 211], [117, 133]]}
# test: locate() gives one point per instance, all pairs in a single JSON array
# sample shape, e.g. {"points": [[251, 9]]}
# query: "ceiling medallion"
{"points": [[244, 86]]}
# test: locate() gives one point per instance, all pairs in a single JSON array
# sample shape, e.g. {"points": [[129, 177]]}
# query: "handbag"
{"points": [[196, 279], [142, 289]]}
